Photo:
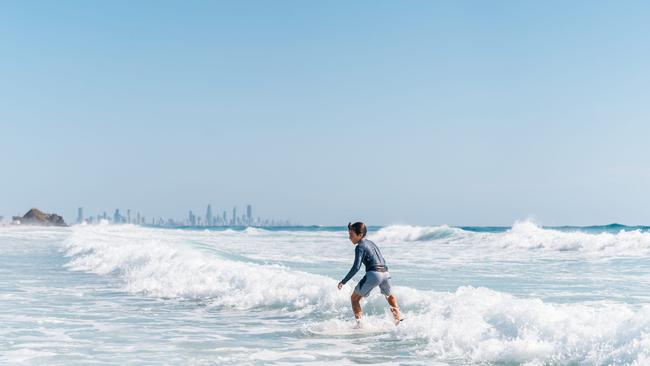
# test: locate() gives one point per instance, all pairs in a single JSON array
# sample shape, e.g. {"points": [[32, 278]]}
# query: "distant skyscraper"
{"points": [[249, 214], [80, 216], [192, 219], [117, 218], [224, 222], [208, 216], [128, 215], [234, 216]]}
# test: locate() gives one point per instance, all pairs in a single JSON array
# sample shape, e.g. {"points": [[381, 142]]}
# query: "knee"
{"points": [[355, 297]]}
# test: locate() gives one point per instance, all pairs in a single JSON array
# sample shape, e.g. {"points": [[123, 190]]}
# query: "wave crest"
{"points": [[415, 233], [527, 235]]}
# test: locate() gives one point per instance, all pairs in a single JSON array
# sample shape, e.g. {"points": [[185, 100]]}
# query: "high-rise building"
{"points": [[208, 216], [224, 221], [192, 219], [128, 215], [234, 216], [117, 218], [249, 215], [80, 216]]}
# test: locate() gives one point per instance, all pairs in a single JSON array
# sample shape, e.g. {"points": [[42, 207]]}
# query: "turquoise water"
{"points": [[472, 295]]}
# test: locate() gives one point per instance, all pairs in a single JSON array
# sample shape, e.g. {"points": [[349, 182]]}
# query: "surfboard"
{"points": [[352, 330], [345, 332]]}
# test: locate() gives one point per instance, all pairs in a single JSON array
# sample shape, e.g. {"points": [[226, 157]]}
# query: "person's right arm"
{"points": [[358, 256]]}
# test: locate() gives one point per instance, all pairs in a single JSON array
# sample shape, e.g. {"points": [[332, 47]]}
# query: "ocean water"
{"points": [[123, 294]]}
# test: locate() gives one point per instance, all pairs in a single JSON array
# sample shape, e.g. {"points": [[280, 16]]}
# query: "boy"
{"points": [[376, 272]]}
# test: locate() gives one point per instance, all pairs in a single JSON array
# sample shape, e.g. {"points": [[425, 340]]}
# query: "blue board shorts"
{"points": [[371, 280]]}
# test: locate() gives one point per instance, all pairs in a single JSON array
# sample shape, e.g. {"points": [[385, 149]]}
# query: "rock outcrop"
{"points": [[37, 217]]}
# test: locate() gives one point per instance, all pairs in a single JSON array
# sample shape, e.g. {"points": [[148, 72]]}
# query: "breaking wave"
{"points": [[525, 235], [416, 233]]}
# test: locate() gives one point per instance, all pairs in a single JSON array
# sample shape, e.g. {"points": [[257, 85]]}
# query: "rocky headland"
{"points": [[38, 217]]}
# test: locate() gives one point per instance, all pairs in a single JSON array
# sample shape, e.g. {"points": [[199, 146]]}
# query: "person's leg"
{"points": [[356, 306], [385, 288], [394, 308], [363, 288]]}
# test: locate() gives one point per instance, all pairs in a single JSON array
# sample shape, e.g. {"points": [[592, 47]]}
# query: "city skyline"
{"points": [[191, 219]]}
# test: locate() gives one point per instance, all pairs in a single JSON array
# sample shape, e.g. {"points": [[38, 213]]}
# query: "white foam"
{"points": [[482, 325]]}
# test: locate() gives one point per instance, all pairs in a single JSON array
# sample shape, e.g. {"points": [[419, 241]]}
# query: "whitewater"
{"points": [[520, 295]]}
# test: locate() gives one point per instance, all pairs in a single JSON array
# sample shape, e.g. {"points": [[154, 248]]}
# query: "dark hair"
{"points": [[359, 228]]}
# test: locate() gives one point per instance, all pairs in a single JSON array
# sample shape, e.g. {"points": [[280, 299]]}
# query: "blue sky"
{"points": [[420, 112]]}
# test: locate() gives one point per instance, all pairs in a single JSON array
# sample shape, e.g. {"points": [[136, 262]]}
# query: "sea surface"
{"points": [[124, 294]]}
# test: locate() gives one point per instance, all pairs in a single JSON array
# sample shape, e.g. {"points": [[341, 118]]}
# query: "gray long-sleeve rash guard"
{"points": [[368, 253]]}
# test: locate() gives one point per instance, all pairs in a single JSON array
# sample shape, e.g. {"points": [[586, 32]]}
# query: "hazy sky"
{"points": [[420, 112]]}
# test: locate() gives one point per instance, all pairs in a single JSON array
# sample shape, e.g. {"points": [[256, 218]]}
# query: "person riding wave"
{"points": [[368, 253]]}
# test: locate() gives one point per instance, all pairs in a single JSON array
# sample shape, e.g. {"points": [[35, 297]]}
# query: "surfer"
{"points": [[368, 253]]}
